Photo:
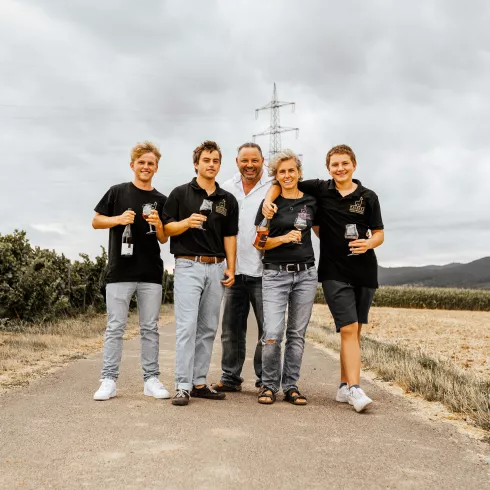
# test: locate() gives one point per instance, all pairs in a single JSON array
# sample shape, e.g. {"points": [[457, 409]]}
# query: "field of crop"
{"points": [[428, 298]]}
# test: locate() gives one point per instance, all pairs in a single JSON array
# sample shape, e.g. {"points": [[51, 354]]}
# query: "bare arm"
{"points": [[178, 227], [101, 222], [230, 252], [316, 229], [362, 246], [277, 241], [269, 208]]}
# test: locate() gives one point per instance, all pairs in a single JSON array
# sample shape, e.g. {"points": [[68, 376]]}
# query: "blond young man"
{"points": [[139, 272], [347, 270]]}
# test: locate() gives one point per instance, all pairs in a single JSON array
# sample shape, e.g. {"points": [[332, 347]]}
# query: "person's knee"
{"points": [[349, 331]]}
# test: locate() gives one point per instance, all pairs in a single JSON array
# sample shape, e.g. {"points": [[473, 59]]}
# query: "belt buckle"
{"points": [[292, 265]]}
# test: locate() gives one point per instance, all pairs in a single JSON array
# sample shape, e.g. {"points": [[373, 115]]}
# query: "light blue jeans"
{"points": [[118, 297], [197, 300], [296, 292]]}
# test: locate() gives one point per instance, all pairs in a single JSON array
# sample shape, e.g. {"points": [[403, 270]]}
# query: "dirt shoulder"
{"points": [[42, 349]]}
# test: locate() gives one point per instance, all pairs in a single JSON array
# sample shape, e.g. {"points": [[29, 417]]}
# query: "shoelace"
{"points": [[182, 394]]}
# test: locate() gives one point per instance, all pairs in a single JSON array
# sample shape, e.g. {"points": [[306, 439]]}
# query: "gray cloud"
{"points": [[404, 85]]}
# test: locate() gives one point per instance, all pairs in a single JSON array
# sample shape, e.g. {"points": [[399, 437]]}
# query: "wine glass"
{"points": [[300, 224], [351, 234], [205, 210], [147, 210]]}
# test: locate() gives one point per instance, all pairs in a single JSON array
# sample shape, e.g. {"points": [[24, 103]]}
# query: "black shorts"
{"points": [[348, 304]]}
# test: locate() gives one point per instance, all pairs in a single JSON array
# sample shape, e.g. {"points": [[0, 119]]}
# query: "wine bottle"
{"points": [[127, 241], [262, 233]]}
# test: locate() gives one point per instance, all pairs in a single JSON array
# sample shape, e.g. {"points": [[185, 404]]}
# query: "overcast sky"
{"points": [[406, 84]]}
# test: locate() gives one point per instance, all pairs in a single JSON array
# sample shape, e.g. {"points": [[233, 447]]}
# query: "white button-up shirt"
{"points": [[249, 259]]}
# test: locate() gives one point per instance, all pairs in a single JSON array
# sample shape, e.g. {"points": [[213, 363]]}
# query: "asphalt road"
{"points": [[53, 435]]}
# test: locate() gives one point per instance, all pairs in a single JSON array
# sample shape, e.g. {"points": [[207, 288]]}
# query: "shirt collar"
{"points": [[218, 192], [357, 192]]}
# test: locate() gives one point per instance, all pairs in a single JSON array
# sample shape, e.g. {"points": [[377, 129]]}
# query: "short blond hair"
{"points": [[280, 157], [146, 147]]}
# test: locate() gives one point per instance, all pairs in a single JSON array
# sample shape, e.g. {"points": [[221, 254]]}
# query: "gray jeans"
{"points": [[118, 297], [296, 291], [197, 299]]}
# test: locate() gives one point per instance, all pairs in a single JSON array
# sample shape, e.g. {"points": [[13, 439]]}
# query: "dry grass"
{"points": [[39, 349], [395, 346], [462, 337]]}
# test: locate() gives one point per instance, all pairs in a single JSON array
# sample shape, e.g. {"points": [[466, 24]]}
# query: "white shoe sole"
{"points": [[362, 407], [104, 398], [341, 399], [165, 396]]}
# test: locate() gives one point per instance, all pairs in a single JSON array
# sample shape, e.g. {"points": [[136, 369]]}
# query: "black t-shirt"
{"points": [[145, 265], [282, 223], [223, 220], [361, 208]]}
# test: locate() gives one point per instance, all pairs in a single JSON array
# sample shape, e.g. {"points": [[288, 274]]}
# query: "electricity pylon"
{"points": [[275, 129]]}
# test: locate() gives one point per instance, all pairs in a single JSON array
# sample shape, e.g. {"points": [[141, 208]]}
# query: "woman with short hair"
{"points": [[289, 281]]}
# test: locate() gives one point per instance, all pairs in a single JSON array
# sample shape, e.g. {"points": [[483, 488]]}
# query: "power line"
{"points": [[275, 129]]}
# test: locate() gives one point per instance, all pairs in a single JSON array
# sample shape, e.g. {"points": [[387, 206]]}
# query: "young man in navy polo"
{"points": [[348, 268], [202, 220]]}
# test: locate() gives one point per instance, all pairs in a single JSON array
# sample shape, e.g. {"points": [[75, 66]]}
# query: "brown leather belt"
{"points": [[201, 258]]}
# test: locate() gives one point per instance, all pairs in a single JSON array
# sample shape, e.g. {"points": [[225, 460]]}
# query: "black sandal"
{"points": [[266, 393], [297, 399]]}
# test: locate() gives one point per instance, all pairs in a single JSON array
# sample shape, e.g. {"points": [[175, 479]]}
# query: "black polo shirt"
{"points": [[282, 223], [362, 208], [223, 220]]}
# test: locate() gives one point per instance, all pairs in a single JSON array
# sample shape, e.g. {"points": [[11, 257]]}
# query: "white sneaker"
{"points": [[358, 399], [107, 389], [154, 388], [343, 394]]}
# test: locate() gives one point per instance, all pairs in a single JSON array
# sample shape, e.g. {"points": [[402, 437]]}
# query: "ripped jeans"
{"points": [[295, 291]]}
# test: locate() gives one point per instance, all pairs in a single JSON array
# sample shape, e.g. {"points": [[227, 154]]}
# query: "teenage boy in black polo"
{"points": [[141, 271], [200, 245], [348, 271]]}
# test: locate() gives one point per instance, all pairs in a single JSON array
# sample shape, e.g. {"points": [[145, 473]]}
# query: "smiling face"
{"points": [[341, 167], [288, 174], [145, 167], [250, 163], [208, 165]]}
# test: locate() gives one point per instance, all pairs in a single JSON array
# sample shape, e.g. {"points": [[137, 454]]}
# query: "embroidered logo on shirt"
{"points": [[304, 213], [358, 207], [221, 207]]}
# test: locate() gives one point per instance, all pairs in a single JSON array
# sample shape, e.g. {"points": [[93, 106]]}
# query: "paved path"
{"points": [[53, 435]]}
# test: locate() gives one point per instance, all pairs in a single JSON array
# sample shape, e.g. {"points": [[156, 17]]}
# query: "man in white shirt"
{"points": [[249, 186]]}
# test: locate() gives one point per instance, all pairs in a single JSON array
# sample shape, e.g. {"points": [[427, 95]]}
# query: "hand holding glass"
{"points": [[147, 210], [300, 224], [205, 210], [351, 234]]}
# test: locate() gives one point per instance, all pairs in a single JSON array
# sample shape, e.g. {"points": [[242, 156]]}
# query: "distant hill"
{"points": [[475, 275]]}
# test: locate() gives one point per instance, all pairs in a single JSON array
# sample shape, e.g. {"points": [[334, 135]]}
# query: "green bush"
{"points": [[427, 298], [38, 285]]}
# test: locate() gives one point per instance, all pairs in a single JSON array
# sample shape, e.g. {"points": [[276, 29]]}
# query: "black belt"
{"points": [[290, 267]]}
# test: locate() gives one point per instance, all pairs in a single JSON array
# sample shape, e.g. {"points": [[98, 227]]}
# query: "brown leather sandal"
{"points": [[269, 397], [294, 396]]}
